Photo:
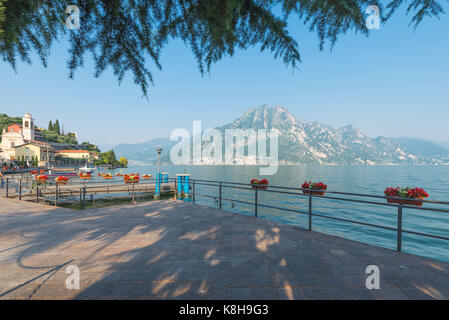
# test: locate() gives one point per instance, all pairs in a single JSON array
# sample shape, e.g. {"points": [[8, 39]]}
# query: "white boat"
{"points": [[87, 170]]}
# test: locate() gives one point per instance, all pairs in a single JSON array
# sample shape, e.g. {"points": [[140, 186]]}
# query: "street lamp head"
{"points": [[159, 150]]}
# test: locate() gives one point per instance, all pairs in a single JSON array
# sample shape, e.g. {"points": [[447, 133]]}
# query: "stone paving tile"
{"points": [[264, 294], [390, 294], [362, 294], [290, 293], [176, 250], [317, 294], [120, 289], [238, 294]]}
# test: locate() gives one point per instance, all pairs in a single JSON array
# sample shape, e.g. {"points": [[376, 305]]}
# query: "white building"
{"points": [[16, 135]]}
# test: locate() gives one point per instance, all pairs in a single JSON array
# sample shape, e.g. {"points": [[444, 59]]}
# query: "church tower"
{"points": [[28, 127]]}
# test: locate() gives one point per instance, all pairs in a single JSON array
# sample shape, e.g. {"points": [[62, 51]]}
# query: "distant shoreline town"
{"points": [[24, 144]]}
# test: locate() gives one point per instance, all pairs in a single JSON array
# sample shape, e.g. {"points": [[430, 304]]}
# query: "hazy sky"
{"points": [[393, 83]]}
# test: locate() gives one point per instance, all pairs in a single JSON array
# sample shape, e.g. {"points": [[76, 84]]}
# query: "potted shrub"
{"points": [[259, 184], [410, 196], [107, 176], [317, 188], [146, 176], [61, 180]]}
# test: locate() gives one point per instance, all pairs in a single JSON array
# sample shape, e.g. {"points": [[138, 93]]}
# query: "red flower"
{"points": [[263, 181], [314, 186], [415, 193]]}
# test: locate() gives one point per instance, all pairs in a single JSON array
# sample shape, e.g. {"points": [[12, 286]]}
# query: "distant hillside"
{"points": [[145, 152], [421, 147], [443, 144], [313, 143]]}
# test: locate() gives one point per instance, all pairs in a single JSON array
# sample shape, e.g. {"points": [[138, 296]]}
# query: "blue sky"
{"points": [[393, 83]]}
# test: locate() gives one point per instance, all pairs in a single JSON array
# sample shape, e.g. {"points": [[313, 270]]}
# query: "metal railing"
{"points": [[83, 187], [53, 193], [309, 212]]}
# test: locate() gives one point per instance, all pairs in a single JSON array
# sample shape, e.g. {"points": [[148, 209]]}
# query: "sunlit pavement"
{"points": [[172, 249]]}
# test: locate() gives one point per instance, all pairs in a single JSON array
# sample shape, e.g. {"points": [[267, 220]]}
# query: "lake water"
{"points": [[355, 179]]}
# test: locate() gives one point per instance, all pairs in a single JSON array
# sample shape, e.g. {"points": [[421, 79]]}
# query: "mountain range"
{"points": [[311, 143]]}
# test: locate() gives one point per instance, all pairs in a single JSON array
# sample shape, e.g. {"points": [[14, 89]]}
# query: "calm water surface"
{"points": [[357, 179]]}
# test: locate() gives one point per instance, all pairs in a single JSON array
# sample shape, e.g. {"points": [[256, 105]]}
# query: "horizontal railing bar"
{"points": [[313, 214], [425, 235], [227, 199], [355, 222], [346, 199], [332, 192], [332, 218], [283, 209]]}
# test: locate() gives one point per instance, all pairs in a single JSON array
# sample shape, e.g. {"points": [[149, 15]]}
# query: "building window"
{"points": [[13, 144], [26, 124]]}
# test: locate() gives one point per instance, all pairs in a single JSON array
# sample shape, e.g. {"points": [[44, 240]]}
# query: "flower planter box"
{"points": [[41, 181], [314, 188], [260, 186], [314, 192], [85, 178], [131, 181], [411, 202], [408, 196], [61, 183]]}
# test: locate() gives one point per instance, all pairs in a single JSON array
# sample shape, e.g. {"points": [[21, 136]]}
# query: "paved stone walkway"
{"points": [[172, 249]]}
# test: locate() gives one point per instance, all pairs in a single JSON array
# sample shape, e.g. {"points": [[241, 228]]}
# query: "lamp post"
{"points": [[158, 181]]}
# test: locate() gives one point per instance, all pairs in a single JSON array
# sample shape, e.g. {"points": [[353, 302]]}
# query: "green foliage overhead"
{"points": [[2, 17], [123, 35]]}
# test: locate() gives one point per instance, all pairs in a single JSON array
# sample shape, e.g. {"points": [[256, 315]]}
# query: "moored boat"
{"points": [[56, 172]]}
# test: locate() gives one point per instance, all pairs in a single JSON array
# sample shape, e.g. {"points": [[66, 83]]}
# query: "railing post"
{"points": [[45, 193], [133, 198], [256, 202], [56, 195], [84, 197], [20, 188], [310, 212], [221, 202], [399, 242], [7, 187], [37, 191], [193, 192]]}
